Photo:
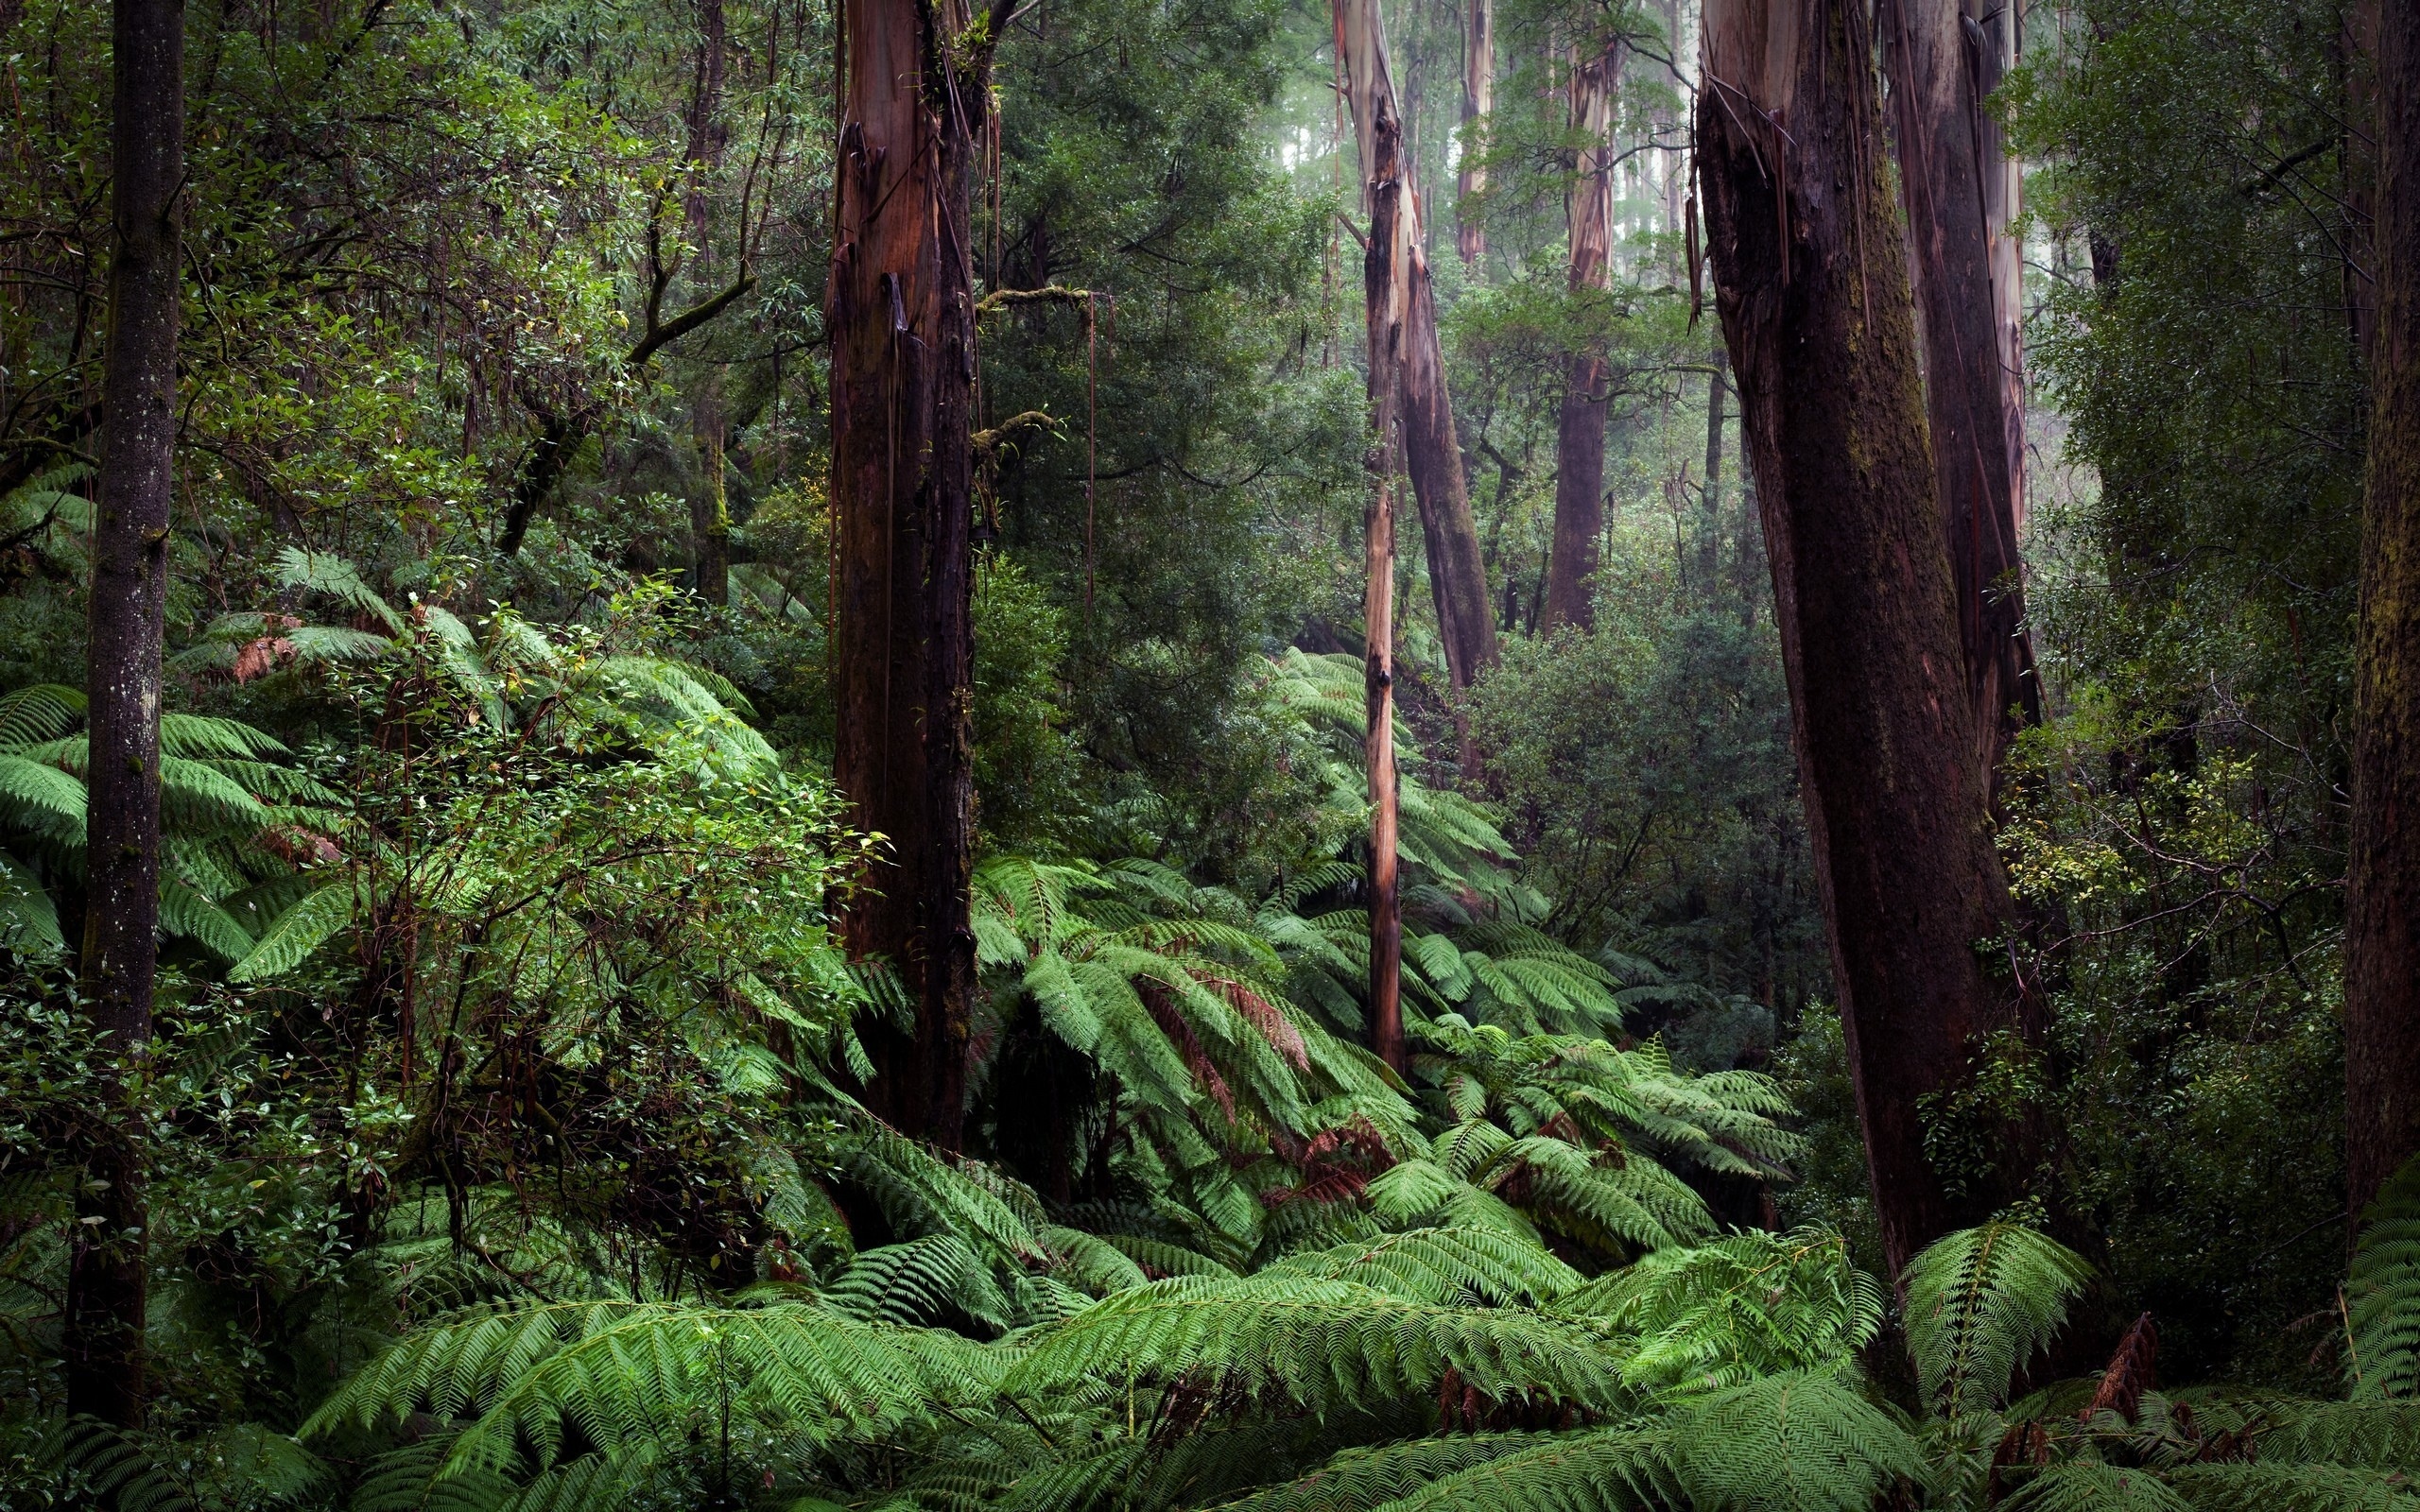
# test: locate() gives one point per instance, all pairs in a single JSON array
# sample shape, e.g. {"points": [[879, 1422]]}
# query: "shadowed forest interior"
{"points": [[1133, 755]]}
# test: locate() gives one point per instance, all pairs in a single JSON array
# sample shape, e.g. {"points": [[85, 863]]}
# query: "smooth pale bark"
{"points": [[1810, 277], [1580, 433], [901, 319], [1385, 307], [1960, 192], [1431, 453], [2382, 876], [1478, 102], [1710, 497], [103, 1322]]}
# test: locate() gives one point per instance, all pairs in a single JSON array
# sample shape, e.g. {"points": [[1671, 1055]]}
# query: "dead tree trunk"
{"points": [[1479, 103], [1811, 280], [1960, 194], [106, 1266], [1385, 307], [2382, 876], [1580, 434], [901, 311], [1432, 454]]}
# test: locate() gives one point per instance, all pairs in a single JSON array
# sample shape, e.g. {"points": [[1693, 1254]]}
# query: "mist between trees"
{"points": [[925, 756]]}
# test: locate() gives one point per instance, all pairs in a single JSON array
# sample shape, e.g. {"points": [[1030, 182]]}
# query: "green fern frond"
{"points": [[1981, 1302], [296, 932], [2266, 1487], [33, 715], [1360, 1479], [1447, 1266], [1791, 1443], [2089, 1486], [2382, 1294]]}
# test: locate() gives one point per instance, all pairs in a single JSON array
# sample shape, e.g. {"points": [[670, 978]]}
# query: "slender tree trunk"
{"points": [[1960, 194], [1580, 434], [1478, 102], [710, 507], [902, 318], [106, 1276], [1810, 276], [1385, 307], [2382, 876], [1710, 496], [1432, 454]]}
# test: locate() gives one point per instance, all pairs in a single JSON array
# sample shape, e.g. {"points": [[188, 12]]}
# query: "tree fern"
{"points": [[1324, 1345], [1445, 1266], [2270, 1487], [1981, 1302], [2089, 1486], [2382, 1295], [1791, 1443]]}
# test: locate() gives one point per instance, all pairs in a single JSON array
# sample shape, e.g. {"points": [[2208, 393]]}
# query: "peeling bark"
{"points": [[1384, 303], [1810, 277], [1432, 454], [902, 317], [1960, 192]]}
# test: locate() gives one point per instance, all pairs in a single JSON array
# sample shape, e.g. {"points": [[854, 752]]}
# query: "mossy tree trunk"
{"points": [[2382, 876], [1810, 277], [107, 1268]]}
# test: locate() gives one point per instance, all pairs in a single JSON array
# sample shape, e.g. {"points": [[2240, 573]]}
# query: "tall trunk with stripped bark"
{"points": [[1479, 103], [1385, 307], [2382, 876], [1579, 436], [1431, 453], [1959, 188], [1810, 277], [900, 312], [107, 1269]]}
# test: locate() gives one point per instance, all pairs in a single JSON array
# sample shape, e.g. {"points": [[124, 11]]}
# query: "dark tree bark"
{"points": [[1432, 454], [1385, 307], [1579, 432], [902, 318], [1810, 277], [105, 1279], [1479, 103], [709, 509], [2382, 875], [1946, 57]]}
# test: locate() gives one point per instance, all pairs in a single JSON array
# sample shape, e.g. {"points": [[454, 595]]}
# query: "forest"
{"points": [[1276, 755]]}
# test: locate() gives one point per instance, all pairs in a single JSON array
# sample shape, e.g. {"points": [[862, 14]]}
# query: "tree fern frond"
{"points": [[1791, 1443], [1446, 1266], [296, 932], [2269, 1488], [44, 711], [2382, 1294], [1981, 1302], [2089, 1486], [1364, 1478]]}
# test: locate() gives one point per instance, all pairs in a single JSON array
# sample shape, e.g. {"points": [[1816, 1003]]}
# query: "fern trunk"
{"points": [[901, 319], [1810, 277], [106, 1282], [2382, 897]]}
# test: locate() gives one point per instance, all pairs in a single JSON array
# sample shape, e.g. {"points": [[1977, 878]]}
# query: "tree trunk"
{"points": [[1710, 496], [1384, 303], [709, 506], [1960, 194], [2382, 875], [1810, 277], [1478, 102], [1580, 434], [106, 1279], [1432, 454], [902, 315]]}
